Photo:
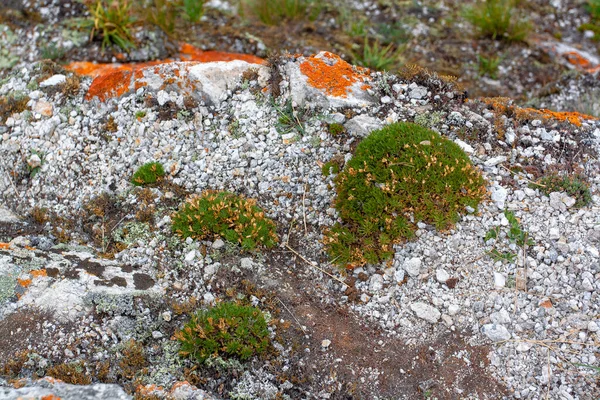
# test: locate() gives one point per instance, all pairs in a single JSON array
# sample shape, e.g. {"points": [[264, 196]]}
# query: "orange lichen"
{"points": [[546, 303], [112, 84], [573, 117], [177, 385], [24, 282], [50, 397], [332, 74], [19, 383], [146, 390], [4, 246], [189, 52], [577, 60], [37, 273]]}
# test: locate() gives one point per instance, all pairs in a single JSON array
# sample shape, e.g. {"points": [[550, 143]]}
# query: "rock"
{"points": [[554, 233], [54, 80], [157, 335], [218, 244], [7, 217], [376, 283], [501, 317], [34, 161], [523, 347], [496, 333], [499, 280], [417, 92], [464, 146], [495, 161], [362, 125], [453, 309], [399, 275], [413, 266], [499, 195], [50, 388], [561, 201], [592, 326], [325, 343], [190, 256], [246, 263], [44, 108], [426, 312], [166, 316], [441, 275]]}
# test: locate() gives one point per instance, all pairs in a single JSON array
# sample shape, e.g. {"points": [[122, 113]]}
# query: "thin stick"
{"points": [[313, 264], [12, 183], [292, 314], [304, 209], [549, 377], [528, 180]]}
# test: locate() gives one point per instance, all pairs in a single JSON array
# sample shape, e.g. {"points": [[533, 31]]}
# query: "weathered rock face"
{"points": [[50, 388], [65, 282]]}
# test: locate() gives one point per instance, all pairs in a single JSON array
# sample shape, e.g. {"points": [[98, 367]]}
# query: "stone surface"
{"points": [[426, 312]]}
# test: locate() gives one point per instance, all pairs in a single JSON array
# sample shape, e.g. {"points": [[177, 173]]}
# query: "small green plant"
{"points": [[498, 19], [489, 66], [398, 176], [330, 167], [593, 6], [290, 118], [274, 12], [515, 234], [36, 167], [227, 330], [140, 114], [162, 13], [574, 185], [376, 56], [112, 20], [193, 10], [336, 129], [52, 51], [227, 215], [148, 173]]}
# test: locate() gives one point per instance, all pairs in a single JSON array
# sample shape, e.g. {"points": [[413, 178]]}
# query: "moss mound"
{"points": [[226, 330], [148, 173], [232, 217], [399, 175]]}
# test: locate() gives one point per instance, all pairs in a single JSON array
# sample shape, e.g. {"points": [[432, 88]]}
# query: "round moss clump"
{"points": [[399, 175], [227, 215], [227, 330], [148, 173]]}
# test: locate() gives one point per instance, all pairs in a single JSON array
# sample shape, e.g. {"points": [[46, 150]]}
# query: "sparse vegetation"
{"points": [[515, 234], [274, 12], [73, 373], [227, 215], [399, 175], [148, 173], [574, 185], [227, 330], [376, 56], [336, 129], [291, 118], [489, 66], [112, 21], [498, 20], [12, 104]]}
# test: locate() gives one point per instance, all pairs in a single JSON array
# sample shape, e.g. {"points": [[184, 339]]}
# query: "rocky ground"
{"points": [[94, 284]]}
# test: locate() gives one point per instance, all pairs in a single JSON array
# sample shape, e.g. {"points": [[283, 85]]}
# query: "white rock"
{"points": [[54, 80], [592, 326], [464, 146], [209, 298], [554, 233], [246, 263], [413, 266], [495, 161], [166, 316], [524, 347], [189, 257], [441, 275], [217, 244], [7, 216], [496, 332], [499, 195], [399, 275], [499, 280], [501, 317], [325, 343], [426, 312], [376, 283], [453, 309], [417, 92], [156, 335], [362, 125]]}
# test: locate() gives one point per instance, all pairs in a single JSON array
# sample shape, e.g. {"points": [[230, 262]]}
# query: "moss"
{"points": [[148, 173], [14, 103], [330, 167], [133, 359], [227, 330], [73, 373], [336, 129], [226, 215], [399, 175]]}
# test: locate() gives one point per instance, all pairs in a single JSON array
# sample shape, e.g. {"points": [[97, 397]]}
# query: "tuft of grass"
{"points": [[227, 330], [193, 10], [111, 20], [162, 13], [336, 129], [148, 173], [593, 7], [489, 66], [515, 234], [498, 20], [399, 175], [227, 215], [12, 104], [574, 185], [275, 12], [377, 56], [290, 118]]}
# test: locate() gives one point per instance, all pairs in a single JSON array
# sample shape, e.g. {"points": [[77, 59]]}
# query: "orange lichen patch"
{"points": [[332, 74], [191, 53], [37, 273], [177, 385], [577, 60], [4, 246], [24, 282], [112, 84], [50, 397], [147, 390], [51, 380], [573, 117]]}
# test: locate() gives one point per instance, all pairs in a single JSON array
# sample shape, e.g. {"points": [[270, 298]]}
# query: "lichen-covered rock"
{"points": [[50, 388]]}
